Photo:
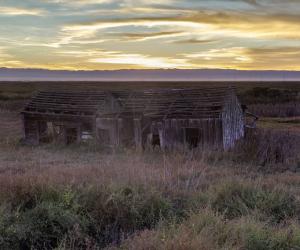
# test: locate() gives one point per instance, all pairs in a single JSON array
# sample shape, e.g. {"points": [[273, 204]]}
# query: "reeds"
{"points": [[289, 109]]}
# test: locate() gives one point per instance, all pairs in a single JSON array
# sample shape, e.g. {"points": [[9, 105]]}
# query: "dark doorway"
{"points": [[71, 135], [192, 137], [155, 141], [43, 132], [103, 137]]}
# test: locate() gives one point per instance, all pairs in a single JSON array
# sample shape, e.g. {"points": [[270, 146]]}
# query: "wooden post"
{"points": [[138, 133], [78, 134], [119, 131], [161, 135], [184, 138], [64, 134], [23, 126]]}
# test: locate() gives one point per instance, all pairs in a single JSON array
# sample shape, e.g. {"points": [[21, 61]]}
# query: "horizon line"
{"points": [[152, 69]]}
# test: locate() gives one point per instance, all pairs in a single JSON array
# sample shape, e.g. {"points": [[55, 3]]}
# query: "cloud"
{"points": [[143, 61], [122, 59], [220, 24], [79, 37], [7, 60], [78, 31], [276, 58], [169, 28], [112, 34], [237, 54], [196, 41], [121, 3], [135, 22], [2, 52], [84, 2], [79, 2], [16, 11], [140, 60], [150, 35], [192, 27], [243, 24]]}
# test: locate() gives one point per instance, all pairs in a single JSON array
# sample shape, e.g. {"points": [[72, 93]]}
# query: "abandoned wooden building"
{"points": [[169, 118]]}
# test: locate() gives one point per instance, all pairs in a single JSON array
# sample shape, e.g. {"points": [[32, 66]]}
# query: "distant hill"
{"points": [[7, 74]]}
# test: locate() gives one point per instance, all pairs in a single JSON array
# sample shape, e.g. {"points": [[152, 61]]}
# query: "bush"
{"points": [[40, 221], [118, 213], [45, 217], [45, 225]]}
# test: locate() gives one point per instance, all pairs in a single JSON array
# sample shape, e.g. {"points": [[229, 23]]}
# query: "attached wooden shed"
{"points": [[62, 115], [169, 118]]}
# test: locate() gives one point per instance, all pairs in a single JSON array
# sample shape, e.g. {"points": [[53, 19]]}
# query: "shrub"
{"points": [[43, 217], [45, 225], [40, 221], [118, 213]]}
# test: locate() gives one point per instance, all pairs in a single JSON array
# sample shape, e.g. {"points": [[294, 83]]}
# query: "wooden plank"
{"points": [[58, 107], [138, 133], [33, 114]]}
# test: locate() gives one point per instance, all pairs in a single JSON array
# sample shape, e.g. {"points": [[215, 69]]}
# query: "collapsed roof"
{"points": [[157, 103]]}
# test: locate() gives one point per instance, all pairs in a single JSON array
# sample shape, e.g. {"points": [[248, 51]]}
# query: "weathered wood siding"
{"points": [[138, 133], [233, 121], [31, 131], [120, 132], [110, 127], [172, 132], [171, 118], [126, 132], [39, 129]]}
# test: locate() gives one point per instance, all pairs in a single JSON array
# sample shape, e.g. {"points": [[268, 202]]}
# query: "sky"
{"points": [[144, 34]]}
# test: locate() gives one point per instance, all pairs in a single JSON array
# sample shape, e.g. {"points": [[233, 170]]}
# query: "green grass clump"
{"points": [[118, 213], [39, 216], [206, 230], [236, 199], [46, 217], [256, 236], [39, 220]]}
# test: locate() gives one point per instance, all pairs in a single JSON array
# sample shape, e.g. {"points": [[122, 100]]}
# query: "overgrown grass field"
{"points": [[81, 197]]}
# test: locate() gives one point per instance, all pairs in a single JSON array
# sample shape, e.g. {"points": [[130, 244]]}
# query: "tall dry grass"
{"points": [[269, 149], [289, 109], [79, 197]]}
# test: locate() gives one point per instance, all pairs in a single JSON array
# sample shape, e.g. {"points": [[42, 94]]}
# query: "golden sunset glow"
{"points": [[140, 34]]}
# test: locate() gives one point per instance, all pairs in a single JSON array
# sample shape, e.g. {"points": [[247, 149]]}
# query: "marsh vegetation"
{"points": [[84, 197]]}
